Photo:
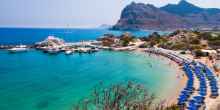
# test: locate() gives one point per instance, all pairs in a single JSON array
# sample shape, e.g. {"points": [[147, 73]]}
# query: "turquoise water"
{"points": [[38, 81]]}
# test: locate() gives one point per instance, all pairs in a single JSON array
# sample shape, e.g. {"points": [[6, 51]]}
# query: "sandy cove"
{"points": [[211, 104], [181, 78]]}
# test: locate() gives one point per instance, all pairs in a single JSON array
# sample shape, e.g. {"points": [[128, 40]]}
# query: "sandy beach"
{"points": [[211, 104], [180, 77]]}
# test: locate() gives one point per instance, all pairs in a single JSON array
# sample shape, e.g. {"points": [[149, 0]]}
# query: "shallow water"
{"points": [[38, 81]]}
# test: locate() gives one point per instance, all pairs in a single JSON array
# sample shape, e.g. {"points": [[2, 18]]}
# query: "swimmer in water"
{"points": [[150, 65]]}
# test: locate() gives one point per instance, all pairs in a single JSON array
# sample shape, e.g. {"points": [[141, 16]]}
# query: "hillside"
{"points": [[183, 15]]}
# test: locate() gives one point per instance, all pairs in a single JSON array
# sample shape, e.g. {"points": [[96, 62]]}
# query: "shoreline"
{"points": [[181, 79], [174, 61], [211, 104], [211, 99], [110, 54]]}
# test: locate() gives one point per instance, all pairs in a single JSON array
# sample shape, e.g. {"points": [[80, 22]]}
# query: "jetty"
{"points": [[54, 45]]}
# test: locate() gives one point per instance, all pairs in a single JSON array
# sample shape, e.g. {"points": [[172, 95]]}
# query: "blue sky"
{"points": [[72, 13]]}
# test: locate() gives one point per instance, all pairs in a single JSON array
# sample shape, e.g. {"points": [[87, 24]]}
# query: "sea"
{"points": [[35, 80], [10, 36]]}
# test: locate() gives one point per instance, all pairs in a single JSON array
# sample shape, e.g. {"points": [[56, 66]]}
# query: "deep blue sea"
{"points": [[37, 81], [32, 35]]}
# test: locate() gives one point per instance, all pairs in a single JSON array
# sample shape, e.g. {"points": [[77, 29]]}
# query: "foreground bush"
{"points": [[130, 96]]}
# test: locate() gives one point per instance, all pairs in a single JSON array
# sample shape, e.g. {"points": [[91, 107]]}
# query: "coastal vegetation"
{"points": [[112, 40], [185, 40], [181, 40], [198, 43], [130, 96], [126, 38]]}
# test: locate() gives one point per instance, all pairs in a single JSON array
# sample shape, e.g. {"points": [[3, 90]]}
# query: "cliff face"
{"points": [[183, 15]]}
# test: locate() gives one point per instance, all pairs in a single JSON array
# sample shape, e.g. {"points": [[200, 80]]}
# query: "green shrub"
{"points": [[182, 52], [145, 45], [214, 43], [179, 46], [195, 47], [199, 53], [195, 41], [128, 96]]}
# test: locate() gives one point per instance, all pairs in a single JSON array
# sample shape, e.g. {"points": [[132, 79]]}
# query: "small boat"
{"points": [[68, 52], [53, 51], [84, 50], [20, 48], [94, 50]]}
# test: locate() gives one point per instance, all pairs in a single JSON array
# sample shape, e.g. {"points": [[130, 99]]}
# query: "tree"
{"points": [[126, 38], [198, 53], [128, 96], [195, 41]]}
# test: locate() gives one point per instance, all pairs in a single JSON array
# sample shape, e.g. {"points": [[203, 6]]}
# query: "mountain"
{"points": [[183, 8], [105, 26], [183, 15]]}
